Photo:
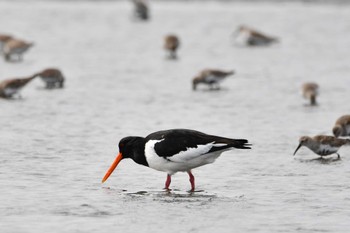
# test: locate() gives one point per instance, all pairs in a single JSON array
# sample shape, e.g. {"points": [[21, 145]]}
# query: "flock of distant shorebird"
{"points": [[12, 50], [179, 149]]}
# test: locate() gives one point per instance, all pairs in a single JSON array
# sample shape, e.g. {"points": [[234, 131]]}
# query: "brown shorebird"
{"points": [[52, 77], [3, 39], [15, 48], [252, 37], [210, 77], [141, 9], [171, 44], [310, 92], [10, 87], [342, 126], [322, 145]]}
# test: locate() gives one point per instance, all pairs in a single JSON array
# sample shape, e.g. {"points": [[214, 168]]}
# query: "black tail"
{"points": [[230, 143], [240, 144]]}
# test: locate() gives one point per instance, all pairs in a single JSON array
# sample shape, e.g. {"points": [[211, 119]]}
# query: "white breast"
{"points": [[242, 38], [326, 149]]}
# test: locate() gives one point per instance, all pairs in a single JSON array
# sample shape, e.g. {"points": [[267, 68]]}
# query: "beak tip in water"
{"points": [[113, 166], [297, 149]]}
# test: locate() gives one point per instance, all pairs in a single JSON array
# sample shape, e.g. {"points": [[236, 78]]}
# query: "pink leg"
{"points": [[191, 180], [167, 182]]}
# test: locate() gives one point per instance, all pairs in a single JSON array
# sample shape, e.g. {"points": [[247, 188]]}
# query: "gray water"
{"points": [[56, 145]]}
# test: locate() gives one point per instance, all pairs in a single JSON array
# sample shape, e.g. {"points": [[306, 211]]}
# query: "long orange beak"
{"points": [[113, 166]]}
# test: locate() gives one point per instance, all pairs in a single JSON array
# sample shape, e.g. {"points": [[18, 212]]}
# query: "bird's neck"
{"points": [[138, 153], [313, 145]]}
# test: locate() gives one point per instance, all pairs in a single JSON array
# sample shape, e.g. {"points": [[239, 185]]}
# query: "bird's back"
{"points": [[343, 120], [331, 141], [171, 42], [185, 138], [183, 149]]}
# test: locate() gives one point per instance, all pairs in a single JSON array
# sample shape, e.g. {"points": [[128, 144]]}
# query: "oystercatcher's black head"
{"points": [[129, 147]]}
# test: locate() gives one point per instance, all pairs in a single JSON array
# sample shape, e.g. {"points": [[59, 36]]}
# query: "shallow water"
{"points": [[56, 145]]}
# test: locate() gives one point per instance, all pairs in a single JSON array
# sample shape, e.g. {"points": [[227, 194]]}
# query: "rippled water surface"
{"points": [[56, 145]]}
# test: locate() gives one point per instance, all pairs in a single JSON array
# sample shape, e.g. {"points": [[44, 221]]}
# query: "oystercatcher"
{"points": [[175, 150], [322, 145], [52, 77], [310, 92], [171, 44], [342, 126], [210, 77], [252, 37]]}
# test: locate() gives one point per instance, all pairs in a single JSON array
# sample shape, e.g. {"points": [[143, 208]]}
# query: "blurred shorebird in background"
{"points": [[11, 87], [210, 77], [52, 77], [342, 126], [250, 37], [13, 49], [141, 9], [310, 91], [171, 44]]}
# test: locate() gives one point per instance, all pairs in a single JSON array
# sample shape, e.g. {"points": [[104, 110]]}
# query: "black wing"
{"points": [[177, 140]]}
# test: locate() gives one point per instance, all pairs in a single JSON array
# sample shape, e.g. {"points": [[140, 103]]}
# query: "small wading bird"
{"points": [[141, 9], [342, 126], [322, 145], [15, 48], [176, 150], [251, 37], [11, 87], [211, 78], [52, 77], [3, 40], [171, 44], [310, 91]]}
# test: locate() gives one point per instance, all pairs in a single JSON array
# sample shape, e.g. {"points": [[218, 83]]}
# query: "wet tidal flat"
{"points": [[56, 145]]}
